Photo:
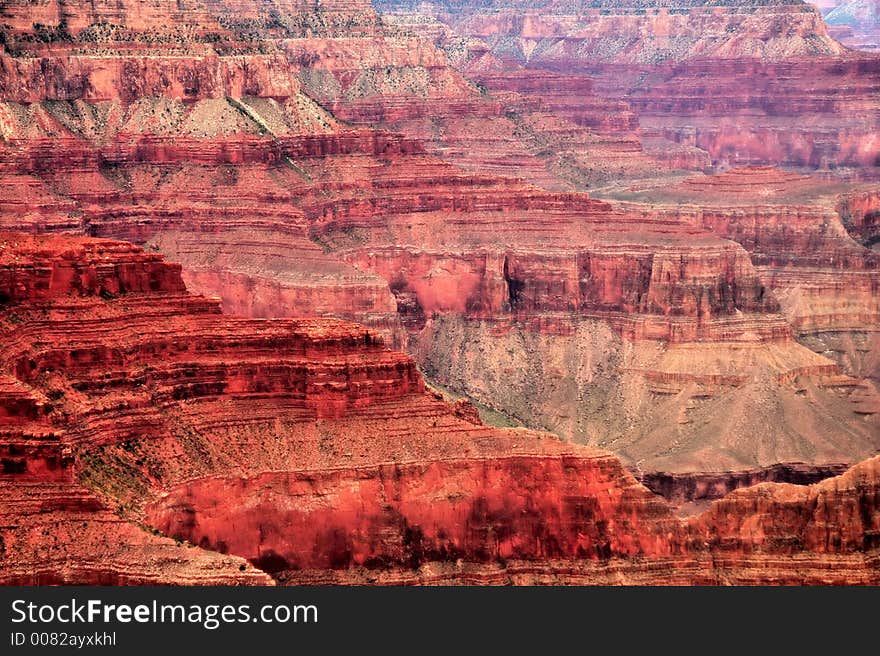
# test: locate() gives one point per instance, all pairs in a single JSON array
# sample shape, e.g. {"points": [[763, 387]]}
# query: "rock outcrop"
{"points": [[102, 342], [860, 213], [807, 236], [308, 448], [782, 90], [621, 32], [54, 529], [836, 516], [769, 534], [302, 159]]}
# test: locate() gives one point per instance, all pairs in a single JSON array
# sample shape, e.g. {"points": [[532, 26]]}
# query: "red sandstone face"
{"points": [[322, 449], [684, 71], [299, 163]]}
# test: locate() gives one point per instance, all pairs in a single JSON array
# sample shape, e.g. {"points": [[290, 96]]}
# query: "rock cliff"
{"points": [[422, 180], [308, 448], [760, 83]]}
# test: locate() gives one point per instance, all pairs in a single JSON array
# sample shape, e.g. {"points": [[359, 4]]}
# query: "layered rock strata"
{"points": [[311, 450], [807, 236], [827, 532], [221, 133], [749, 83]]}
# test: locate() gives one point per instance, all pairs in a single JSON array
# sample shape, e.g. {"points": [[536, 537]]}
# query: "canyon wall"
{"points": [[782, 90], [311, 450], [302, 161], [688, 408], [637, 33], [827, 530], [55, 529], [834, 516], [807, 236]]}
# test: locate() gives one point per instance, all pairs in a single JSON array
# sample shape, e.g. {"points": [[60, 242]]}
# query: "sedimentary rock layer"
{"points": [[696, 487], [101, 340], [807, 236], [54, 529], [311, 450], [836, 516], [782, 90], [240, 139]]}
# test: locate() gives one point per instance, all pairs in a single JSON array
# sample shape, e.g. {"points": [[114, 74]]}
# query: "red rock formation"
{"points": [[396, 529], [815, 113], [770, 534], [688, 488], [126, 190], [836, 516], [684, 69], [860, 213], [54, 529], [306, 446], [210, 192], [270, 52], [256, 279], [568, 260], [550, 129], [46, 268], [799, 231], [622, 32], [90, 326], [209, 137], [57, 532], [148, 388], [492, 508]]}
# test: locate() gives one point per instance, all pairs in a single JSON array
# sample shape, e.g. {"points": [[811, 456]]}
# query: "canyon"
{"points": [[133, 409], [571, 221], [684, 67]]}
